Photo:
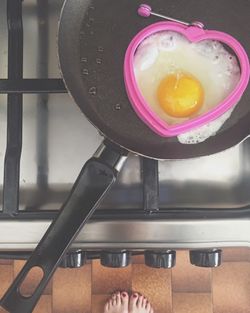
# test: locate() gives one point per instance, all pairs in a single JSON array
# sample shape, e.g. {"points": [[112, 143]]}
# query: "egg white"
{"points": [[167, 53]]}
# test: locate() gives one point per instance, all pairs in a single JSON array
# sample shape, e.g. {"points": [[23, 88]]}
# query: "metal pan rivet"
{"points": [[93, 91], [117, 106]]}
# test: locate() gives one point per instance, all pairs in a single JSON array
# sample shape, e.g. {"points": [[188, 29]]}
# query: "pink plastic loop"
{"points": [[144, 10], [193, 34]]}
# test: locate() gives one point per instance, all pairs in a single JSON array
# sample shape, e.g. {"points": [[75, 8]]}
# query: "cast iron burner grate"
{"points": [[15, 87]]}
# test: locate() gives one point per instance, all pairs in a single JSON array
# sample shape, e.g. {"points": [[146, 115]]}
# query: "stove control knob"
{"points": [[115, 259], [160, 259], [75, 259], [206, 258]]}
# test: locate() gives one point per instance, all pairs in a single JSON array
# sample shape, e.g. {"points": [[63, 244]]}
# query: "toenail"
{"points": [[135, 296], [124, 294]]}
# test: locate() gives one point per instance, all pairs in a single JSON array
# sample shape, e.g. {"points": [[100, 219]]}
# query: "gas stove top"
{"points": [[199, 203]]}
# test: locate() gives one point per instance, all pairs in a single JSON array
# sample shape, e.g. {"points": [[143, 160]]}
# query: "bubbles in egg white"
{"points": [[200, 134], [168, 52]]}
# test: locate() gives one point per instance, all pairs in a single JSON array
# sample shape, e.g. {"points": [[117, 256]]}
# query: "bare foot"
{"points": [[139, 304], [118, 303]]}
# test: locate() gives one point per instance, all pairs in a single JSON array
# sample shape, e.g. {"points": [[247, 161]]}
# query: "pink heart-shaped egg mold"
{"points": [[193, 34]]}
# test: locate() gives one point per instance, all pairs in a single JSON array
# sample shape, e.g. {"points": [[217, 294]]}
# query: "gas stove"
{"points": [[200, 204]]}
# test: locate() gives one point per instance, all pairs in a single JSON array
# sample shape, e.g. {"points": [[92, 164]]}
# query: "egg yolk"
{"points": [[180, 95]]}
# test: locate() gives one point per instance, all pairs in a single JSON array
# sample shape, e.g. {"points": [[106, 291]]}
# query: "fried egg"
{"points": [[181, 80]]}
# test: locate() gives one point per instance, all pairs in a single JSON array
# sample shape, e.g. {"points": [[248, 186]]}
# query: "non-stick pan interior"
{"points": [[93, 38]]}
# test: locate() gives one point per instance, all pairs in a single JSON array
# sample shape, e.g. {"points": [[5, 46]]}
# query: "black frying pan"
{"points": [[93, 38], [102, 31]]}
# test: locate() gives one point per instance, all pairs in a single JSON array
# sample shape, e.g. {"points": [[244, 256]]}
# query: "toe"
{"points": [[124, 298], [144, 303], [106, 307], [111, 303], [133, 301], [140, 301], [148, 307], [118, 298]]}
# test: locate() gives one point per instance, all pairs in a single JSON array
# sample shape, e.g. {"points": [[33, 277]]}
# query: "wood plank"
{"points": [[6, 278], [189, 278], [192, 303], [6, 262], [236, 255], [72, 290], [138, 259], [231, 288], [108, 280], [98, 302], [155, 284]]}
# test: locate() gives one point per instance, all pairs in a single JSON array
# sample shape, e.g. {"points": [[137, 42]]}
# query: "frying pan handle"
{"points": [[96, 177]]}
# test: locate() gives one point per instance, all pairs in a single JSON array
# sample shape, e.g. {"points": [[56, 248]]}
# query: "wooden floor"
{"points": [[185, 289]]}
